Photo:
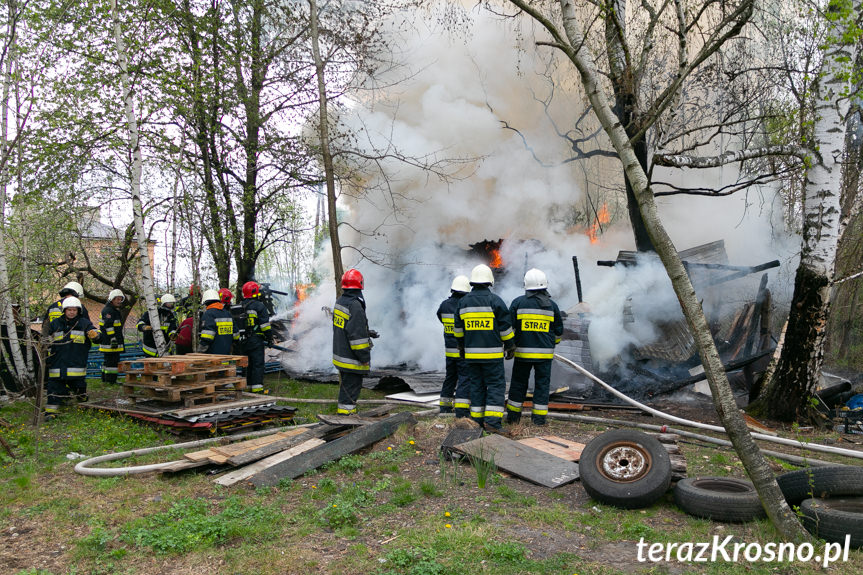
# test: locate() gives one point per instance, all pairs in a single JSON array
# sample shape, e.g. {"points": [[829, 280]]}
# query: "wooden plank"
{"points": [[553, 445], [458, 436], [317, 432], [362, 437], [250, 470], [241, 447], [522, 460], [224, 406], [352, 420], [183, 465]]}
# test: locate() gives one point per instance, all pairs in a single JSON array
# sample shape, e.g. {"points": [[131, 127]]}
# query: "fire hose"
{"points": [[707, 426]]}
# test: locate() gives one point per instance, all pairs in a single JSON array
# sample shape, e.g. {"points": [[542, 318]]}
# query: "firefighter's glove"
{"points": [[172, 336], [148, 328], [93, 334], [509, 350], [203, 348], [373, 334], [461, 349]]}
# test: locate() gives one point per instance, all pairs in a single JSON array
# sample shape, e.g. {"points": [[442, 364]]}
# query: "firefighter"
{"points": [[456, 383], [167, 323], [226, 297], [538, 327], [67, 360], [111, 342], [183, 344], [217, 326], [352, 345], [258, 335], [482, 328], [55, 310]]}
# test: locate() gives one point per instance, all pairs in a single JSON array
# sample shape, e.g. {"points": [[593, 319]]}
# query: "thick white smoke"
{"points": [[417, 227]]}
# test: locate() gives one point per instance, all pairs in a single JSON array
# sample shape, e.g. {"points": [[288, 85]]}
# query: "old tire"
{"points": [[832, 519], [625, 468], [817, 482], [719, 498]]}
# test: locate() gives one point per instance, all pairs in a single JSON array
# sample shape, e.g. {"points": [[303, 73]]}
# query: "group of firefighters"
{"points": [[70, 332], [480, 331]]}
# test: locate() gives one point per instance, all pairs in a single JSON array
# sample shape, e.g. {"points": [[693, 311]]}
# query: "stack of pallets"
{"points": [[192, 379]]}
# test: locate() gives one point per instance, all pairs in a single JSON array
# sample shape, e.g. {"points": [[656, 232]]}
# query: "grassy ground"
{"points": [[395, 509]]}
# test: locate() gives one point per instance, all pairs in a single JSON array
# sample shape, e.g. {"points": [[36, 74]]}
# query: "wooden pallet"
{"points": [[165, 378], [177, 364], [191, 394]]}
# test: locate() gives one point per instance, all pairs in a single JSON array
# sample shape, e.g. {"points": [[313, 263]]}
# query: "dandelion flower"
{"points": [[448, 526], [411, 441], [389, 448], [446, 514]]}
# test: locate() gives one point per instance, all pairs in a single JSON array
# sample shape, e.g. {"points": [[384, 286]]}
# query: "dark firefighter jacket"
{"points": [[257, 323], [351, 343], [111, 326], [168, 324], [446, 315], [217, 330], [538, 325], [69, 346], [482, 323]]}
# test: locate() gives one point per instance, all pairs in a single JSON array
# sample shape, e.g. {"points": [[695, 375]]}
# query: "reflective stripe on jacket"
{"points": [[111, 326], [69, 347], [446, 314], [483, 322], [351, 343], [538, 325], [168, 324], [217, 329]]}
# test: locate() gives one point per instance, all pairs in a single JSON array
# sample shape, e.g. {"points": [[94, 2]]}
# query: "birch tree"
{"points": [[568, 35], [798, 371], [135, 152]]}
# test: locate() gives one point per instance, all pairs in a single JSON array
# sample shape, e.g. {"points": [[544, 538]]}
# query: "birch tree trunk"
{"points": [[18, 367], [798, 371], [137, 207], [329, 172], [573, 43]]}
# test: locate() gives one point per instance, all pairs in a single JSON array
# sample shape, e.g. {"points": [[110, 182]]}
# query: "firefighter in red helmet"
{"points": [[352, 345], [257, 335]]}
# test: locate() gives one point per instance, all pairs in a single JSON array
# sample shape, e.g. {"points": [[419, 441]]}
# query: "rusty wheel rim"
{"points": [[624, 462]]}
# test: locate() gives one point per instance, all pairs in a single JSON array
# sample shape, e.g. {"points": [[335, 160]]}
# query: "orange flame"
{"points": [[303, 292], [602, 217], [496, 260]]}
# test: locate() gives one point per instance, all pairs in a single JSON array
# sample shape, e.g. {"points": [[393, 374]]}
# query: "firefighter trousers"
{"points": [[62, 388], [109, 366], [518, 389], [349, 392], [456, 388], [487, 392], [255, 370]]}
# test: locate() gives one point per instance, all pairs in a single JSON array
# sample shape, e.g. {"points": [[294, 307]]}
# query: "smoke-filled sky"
{"points": [[464, 85]]}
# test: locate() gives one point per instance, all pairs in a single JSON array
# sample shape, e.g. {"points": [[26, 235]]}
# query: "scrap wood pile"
{"points": [[265, 461], [192, 379]]}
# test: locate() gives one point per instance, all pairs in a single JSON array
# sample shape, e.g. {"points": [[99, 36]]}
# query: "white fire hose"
{"points": [[707, 426]]}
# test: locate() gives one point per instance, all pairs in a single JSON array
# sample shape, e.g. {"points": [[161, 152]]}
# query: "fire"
{"points": [[602, 217], [496, 261], [303, 291]]}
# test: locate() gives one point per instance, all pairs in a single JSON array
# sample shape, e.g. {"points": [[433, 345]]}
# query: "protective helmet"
{"points": [[168, 299], [71, 301], [352, 279], [210, 295], [72, 288], [251, 289], [460, 283], [481, 274], [225, 295], [535, 279], [116, 293]]}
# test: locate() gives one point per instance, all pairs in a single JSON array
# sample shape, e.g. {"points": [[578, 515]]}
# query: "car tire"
{"points": [[726, 499], [819, 482], [625, 468], [833, 519]]}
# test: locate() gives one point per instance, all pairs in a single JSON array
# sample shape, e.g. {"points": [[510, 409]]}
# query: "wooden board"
{"points": [[553, 445], [361, 437], [522, 460], [177, 364], [458, 436], [344, 419], [165, 378], [250, 470]]}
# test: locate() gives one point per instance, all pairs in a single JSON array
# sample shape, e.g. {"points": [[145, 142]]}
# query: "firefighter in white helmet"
{"points": [[112, 343], [456, 384], [217, 326], [483, 328], [67, 360], [538, 327], [55, 310]]}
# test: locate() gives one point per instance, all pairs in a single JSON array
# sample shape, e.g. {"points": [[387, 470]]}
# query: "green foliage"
{"points": [[508, 551], [338, 514], [430, 489], [484, 467], [413, 561], [403, 494], [189, 525], [347, 464], [511, 496]]}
